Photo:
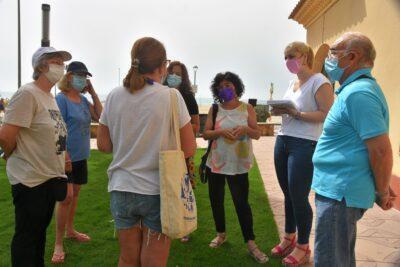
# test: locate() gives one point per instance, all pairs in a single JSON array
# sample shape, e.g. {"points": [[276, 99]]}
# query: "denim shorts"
{"points": [[130, 209]]}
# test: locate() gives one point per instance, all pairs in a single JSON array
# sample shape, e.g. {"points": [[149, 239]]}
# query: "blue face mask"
{"points": [[78, 83], [174, 80], [333, 70]]}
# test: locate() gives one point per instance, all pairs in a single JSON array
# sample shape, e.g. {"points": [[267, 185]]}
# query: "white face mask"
{"points": [[55, 73]]}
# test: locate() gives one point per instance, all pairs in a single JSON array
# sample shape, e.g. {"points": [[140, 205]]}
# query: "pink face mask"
{"points": [[293, 65]]}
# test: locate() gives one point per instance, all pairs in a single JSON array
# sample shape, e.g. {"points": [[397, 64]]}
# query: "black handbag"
{"points": [[203, 167]]}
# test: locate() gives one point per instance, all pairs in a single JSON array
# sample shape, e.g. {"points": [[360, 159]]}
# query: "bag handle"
{"points": [[175, 118]]}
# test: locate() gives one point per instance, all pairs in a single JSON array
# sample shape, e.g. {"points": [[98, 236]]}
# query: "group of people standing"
{"points": [[46, 142], [339, 147]]}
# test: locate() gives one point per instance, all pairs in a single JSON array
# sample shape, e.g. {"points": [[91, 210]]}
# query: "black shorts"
{"points": [[79, 174]]}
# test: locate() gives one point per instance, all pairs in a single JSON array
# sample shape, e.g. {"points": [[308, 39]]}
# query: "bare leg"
{"points": [[61, 219], [74, 204], [130, 242], [155, 249], [71, 232]]}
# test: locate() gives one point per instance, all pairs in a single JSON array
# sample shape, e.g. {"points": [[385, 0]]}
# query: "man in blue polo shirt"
{"points": [[353, 159]]}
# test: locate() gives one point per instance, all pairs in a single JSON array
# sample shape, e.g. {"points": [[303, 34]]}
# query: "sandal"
{"points": [[82, 238], [283, 252], [291, 261], [260, 257], [58, 258], [218, 240]]}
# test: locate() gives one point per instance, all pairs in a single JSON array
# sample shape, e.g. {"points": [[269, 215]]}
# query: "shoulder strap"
{"points": [[175, 118], [214, 114], [214, 117]]}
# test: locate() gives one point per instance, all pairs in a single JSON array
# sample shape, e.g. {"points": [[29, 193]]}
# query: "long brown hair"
{"points": [[185, 86], [147, 55]]}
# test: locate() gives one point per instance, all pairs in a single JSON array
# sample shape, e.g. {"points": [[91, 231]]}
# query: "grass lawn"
{"points": [[93, 217]]}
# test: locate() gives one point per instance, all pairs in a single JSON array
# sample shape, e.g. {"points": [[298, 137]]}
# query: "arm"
{"points": [[8, 139], [104, 143], [381, 161], [210, 134], [96, 108], [323, 97], [195, 121], [251, 130], [68, 163], [188, 142], [19, 114]]}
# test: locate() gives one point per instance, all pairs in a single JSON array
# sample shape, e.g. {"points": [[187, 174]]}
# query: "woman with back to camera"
{"points": [[135, 127], [312, 93]]}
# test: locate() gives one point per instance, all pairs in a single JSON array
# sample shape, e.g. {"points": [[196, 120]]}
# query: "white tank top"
{"points": [[304, 98], [227, 156]]}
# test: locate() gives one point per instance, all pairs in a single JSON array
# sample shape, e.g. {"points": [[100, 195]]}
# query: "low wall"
{"points": [[267, 129]]}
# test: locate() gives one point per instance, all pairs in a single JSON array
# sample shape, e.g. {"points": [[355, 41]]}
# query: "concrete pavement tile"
{"points": [[367, 264], [371, 222], [393, 257], [378, 231], [373, 251]]}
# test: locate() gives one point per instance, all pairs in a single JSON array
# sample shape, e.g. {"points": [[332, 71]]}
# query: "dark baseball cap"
{"points": [[78, 67]]}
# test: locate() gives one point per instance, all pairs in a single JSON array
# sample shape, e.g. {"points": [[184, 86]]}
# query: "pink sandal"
{"points": [[291, 261], [283, 252]]}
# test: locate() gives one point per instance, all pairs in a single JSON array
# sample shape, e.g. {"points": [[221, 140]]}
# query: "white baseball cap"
{"points": [[46, 51]]}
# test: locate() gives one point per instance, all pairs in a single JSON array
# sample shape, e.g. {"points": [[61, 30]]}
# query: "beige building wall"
{"points": [[380, 21]]}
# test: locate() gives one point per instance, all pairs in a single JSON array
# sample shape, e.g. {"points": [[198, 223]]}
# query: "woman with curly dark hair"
{"points": [[231, 157]]}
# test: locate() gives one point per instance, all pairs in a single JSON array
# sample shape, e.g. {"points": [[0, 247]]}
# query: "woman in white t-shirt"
{"points": [[312, 94], [135, 126]]}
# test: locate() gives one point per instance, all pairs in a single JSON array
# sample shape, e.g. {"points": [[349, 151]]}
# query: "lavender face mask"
{"points": [[226, 94]]}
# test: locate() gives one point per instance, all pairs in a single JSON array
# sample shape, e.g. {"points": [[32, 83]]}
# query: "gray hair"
{"points": [[360, 42], [40, 64]]}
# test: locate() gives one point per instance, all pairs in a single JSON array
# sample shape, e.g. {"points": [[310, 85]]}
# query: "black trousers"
{"points": [[239, 187], [33, 212]]}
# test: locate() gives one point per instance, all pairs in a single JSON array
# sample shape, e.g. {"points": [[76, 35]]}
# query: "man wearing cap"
{"points": [[33, 138], [77, 113]]}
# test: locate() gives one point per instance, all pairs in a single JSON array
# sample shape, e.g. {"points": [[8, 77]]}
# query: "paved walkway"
{"points": [[378, 233]]}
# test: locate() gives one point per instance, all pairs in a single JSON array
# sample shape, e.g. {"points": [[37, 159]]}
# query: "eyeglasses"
{"points": [[333, 53]]}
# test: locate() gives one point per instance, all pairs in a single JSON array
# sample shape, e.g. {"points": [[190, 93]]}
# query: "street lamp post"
{"points": [[19, 45], [119, 76], [195, 68]]}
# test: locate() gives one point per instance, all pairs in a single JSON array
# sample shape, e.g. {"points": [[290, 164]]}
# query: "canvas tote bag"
{"points": [[178, 204]]}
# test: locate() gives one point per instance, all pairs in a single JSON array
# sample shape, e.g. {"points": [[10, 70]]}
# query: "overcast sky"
{"points": [[246, 37]]}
